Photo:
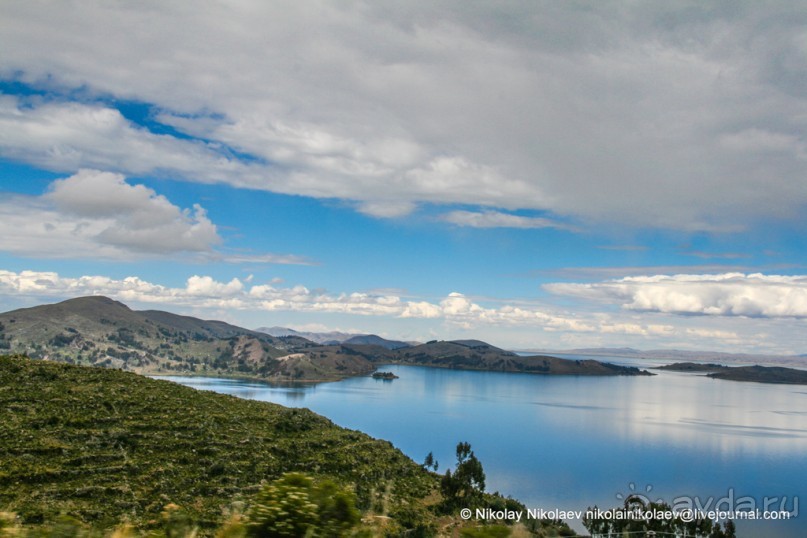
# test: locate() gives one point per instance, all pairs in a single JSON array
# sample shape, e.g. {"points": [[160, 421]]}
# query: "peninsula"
{"points": [[756, 373]]}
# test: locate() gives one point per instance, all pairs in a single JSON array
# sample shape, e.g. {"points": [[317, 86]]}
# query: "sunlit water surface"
{"points": [[569, 442]]}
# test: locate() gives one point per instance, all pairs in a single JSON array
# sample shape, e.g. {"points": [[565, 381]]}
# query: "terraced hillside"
{"points": [[104, 445]]}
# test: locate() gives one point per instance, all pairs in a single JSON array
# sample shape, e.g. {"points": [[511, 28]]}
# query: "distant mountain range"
{"points": [[678, 355], [99, 331], [335, 337]]}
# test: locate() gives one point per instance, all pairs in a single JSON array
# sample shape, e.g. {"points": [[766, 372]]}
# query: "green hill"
{"points": [[103, 446]]}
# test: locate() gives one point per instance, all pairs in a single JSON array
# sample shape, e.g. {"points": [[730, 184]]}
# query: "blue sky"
{"points": [[538, 175]]}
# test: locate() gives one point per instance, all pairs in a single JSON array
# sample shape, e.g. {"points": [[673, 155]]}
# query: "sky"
{"points": [[535, 174]]}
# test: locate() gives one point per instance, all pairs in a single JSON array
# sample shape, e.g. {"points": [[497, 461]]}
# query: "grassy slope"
{"points": [[103, 445]]}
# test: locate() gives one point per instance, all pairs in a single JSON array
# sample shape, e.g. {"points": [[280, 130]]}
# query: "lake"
{"points": [[570, 442]]}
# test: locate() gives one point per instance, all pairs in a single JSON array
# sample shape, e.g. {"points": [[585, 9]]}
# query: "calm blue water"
{"points": [[565, 442]]}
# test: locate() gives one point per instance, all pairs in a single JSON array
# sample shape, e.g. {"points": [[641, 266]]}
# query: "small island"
{"points": [[387, 376]]}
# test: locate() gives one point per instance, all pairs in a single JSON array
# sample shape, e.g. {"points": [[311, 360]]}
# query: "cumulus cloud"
{"points": [[727, 294], [686, 117], [99, 215]]}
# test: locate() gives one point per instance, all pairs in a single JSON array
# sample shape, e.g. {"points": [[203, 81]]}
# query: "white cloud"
{"points": [[68, 136], [98, 215], [728, 294], [135, 217], [207, 287], [657, 115]]}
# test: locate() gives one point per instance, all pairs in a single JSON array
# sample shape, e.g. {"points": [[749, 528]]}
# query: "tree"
{"points": [[430, 462], [467, 483]]}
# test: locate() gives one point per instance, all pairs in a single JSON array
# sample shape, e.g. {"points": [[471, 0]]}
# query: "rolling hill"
{"points": [[99, 331]]}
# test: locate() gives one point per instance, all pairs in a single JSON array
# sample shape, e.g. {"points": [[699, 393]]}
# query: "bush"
{"points": [[294, 506]]}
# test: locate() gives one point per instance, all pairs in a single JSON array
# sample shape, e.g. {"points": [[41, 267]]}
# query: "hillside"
{"points": [[98, 331], [101, 444]]}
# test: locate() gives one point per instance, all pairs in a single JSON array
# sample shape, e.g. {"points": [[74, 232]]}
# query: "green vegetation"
{"points": [[463, 488], [295, 506], [103, 445], [91, 449], [292, 506]]}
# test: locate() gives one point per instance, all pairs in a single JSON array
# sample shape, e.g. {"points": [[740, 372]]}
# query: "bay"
{"points": [[570, 442]]}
